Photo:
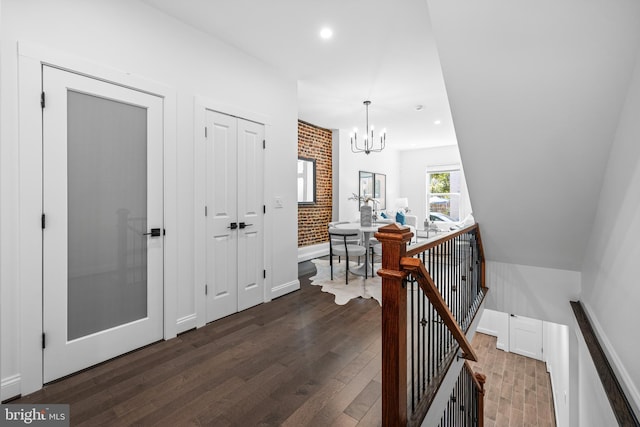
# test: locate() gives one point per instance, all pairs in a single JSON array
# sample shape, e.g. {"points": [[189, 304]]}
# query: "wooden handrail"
{"points": [[617, 398], [422, 276], [481, 246], [416, 249]]}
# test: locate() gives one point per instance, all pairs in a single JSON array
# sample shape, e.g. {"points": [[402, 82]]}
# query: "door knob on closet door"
{"points": [[155, 232], [243, 225], [233, 225]]}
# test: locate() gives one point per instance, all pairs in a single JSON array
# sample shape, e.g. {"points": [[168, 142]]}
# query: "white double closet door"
{"points": [[235, 214], [102, 198]]}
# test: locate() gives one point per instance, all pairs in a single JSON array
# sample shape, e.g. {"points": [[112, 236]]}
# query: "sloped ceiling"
{"points": [[536, 89]]}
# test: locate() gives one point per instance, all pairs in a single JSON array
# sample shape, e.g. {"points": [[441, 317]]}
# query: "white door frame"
{"points": [[30, 60], [201, 104]]}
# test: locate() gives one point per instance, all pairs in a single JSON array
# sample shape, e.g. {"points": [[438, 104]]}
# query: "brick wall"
{"points": [[315, 143]]}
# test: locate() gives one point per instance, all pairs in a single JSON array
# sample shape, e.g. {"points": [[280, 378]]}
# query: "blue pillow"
{"points": [[400, 217], [383, 215]]}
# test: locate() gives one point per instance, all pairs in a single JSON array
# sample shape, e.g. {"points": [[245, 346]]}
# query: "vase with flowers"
{"points": [[366, 211]]}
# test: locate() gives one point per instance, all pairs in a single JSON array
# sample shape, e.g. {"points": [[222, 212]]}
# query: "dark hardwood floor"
{"points": [[300, 360]]}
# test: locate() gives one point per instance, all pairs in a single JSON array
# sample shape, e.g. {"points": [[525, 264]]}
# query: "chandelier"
{"points": [[369, 142]]}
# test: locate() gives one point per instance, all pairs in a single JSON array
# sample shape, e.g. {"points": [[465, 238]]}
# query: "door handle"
{"points": [[233, 225], [243, 225], [155, 232]]}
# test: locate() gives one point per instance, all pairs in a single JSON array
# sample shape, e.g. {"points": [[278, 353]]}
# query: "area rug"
{"points": [[358, 287]]}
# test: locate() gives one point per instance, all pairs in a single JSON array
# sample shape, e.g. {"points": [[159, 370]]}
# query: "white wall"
{"points": [[593, 404], [1, 228], [413, 177], [540, 293], [610, 274], [385, 162], [134, 38], [556, 355], [496, 323]]}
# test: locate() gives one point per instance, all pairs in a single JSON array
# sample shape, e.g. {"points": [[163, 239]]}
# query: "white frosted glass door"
{"points": [[107, 213], [102, 200]]}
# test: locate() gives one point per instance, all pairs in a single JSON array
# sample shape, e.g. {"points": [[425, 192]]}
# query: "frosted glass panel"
{"points": [[107, 213]]}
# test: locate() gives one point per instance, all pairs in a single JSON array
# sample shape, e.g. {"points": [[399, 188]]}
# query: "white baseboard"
{"points": [[185, 323], [285, 288], [499, 344], [487, 331], [306, 253], [10, 387], [555, 392], [625, 379]]}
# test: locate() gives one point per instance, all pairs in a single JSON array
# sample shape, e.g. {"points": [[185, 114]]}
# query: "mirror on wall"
{"points": [[306, 181], [373, 185]]}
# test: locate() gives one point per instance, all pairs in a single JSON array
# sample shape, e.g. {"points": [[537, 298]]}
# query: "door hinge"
{"points": [[264, 274], [205, 211], [42, 103], [205, 132], [264, 144], [43, 341], [43, 221], [164, 231], [264, 209], [206, 289]]}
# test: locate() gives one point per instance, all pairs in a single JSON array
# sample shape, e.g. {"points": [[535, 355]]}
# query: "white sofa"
{"points": [[410, 221]]}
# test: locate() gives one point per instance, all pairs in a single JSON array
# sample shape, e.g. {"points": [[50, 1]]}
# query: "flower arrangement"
{"points": [[363, 199]]}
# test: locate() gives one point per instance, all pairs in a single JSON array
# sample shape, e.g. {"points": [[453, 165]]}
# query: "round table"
{"points": [[367, 231]]}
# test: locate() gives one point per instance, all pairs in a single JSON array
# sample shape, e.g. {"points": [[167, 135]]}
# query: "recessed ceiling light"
{"points": [[437, 122], [326, 33]]}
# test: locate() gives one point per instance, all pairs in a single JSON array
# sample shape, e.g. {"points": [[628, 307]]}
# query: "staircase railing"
{"points": [[466, 402], [431, 292]]}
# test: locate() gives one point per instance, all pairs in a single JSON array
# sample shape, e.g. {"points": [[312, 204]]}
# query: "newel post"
{"points": [[394, 239]]}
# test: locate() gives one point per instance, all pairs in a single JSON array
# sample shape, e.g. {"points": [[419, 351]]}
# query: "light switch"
{"points": [[278, 204]]}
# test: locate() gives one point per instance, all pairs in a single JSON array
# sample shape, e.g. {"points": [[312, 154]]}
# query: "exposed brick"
{"points": [[315, 143]]}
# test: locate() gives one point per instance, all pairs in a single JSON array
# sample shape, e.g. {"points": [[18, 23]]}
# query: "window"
{"points": [[306, 181], [443, 194]]}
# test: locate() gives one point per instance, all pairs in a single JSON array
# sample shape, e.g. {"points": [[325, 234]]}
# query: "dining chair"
{"points": [[340, 246], [355, 240]]}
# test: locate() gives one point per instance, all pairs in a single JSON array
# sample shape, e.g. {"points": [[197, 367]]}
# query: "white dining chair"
{"points": [[340, 246], [354, 240]]}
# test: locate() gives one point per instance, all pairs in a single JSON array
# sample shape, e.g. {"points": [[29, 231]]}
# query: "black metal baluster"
{"points": [[413, 377]]}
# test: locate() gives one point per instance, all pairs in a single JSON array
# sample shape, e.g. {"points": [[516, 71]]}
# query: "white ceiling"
{"points": [[381, 50]]}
